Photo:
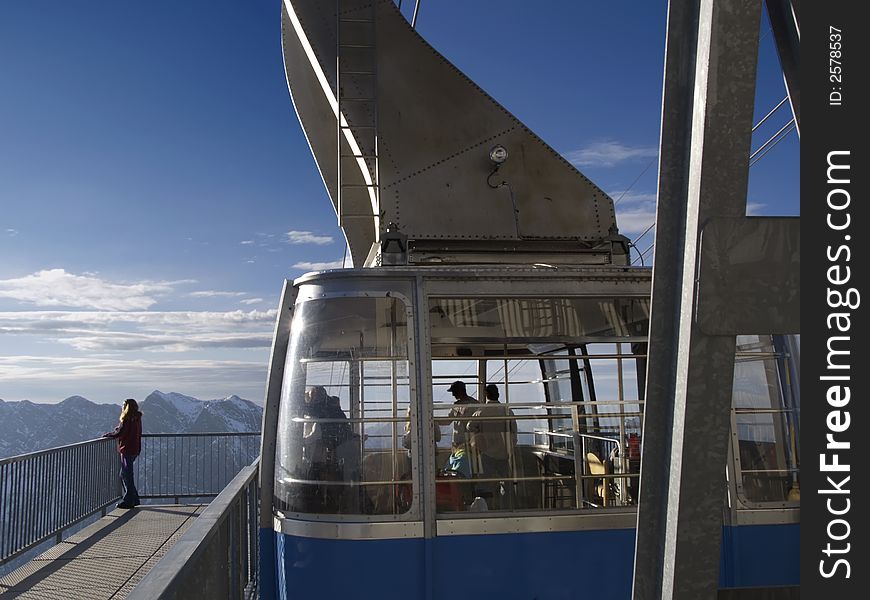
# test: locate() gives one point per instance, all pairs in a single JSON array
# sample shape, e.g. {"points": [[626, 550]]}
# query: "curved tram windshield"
{"points": [[344, 408]]}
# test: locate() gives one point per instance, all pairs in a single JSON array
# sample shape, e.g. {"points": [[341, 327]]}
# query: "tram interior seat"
{"points": [[378, 466], [529, 494], [596, 490]]}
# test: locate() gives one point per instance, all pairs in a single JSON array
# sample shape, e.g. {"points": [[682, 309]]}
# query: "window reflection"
{"points": [[564, 431], [765, 420], [344, 409]]}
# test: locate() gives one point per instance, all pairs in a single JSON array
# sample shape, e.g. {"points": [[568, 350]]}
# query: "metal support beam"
{"points": [[785, 22], [710, 67]]}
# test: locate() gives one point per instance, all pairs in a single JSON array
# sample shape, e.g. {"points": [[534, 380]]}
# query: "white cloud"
{"points": [[246, 242], [136, 331], [754, 209], [16, 368], [56, 287], [11, 232], [319, 266], [634, 222], [52, 378], [630, 198], [608, 153], [250, 301], [635, 212], [215, 294], [307, 237]]}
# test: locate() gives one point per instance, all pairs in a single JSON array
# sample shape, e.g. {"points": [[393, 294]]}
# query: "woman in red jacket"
{"points": [[129, 436]]}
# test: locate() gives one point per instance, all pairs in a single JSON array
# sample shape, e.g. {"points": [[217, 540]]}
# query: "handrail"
{"points": [[198, 465], [29, 455], [203, 434], [196, 566], [44, 493]]}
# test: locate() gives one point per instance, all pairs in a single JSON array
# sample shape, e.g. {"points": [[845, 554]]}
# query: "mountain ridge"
{"points": [[26, 426]]}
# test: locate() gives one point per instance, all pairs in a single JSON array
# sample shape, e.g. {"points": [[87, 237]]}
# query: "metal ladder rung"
{"points": [[362, 56]]}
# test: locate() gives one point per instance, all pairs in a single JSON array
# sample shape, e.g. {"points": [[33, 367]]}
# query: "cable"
{"points": [[637, 239], [772, 142], [645, 252], [773, 110], [414, 18], [639, 255], [635, 181]]}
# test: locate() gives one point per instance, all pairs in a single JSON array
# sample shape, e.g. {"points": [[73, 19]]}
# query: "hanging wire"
{"points": [[773, 110], [646, 231], [639, 256], [636, 179], [772, 142], [414, 18], [644, 253]]}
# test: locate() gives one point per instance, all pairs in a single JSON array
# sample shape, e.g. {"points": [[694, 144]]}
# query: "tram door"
{"points": [[542, 436], [345, 481]]}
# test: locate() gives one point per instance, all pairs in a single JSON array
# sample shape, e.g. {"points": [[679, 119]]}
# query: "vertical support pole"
{"points": [[707, 105], [785, 22]]}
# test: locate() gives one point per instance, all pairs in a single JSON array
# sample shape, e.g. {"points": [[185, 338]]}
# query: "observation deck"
{"points": [[106, 559], [63, 538]]}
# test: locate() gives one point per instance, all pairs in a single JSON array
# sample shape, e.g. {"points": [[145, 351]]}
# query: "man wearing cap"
{"points": [[460, 433]]}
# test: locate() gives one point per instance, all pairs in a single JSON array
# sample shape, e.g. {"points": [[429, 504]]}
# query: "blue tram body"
{"points": [[386, 343]]}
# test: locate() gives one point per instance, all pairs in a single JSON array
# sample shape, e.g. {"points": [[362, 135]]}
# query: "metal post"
{"points": [[785, 23], [711, 54]]}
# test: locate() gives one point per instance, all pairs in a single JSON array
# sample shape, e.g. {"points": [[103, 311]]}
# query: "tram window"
{"points": [[344, 409], [765, 422], [569, 387]]}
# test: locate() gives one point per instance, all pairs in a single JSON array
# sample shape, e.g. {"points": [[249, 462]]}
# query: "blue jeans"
{"points": [[131, 496]]}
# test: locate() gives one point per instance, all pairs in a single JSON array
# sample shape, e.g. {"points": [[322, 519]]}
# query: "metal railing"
{"points": [[192, 465], [44, 493], [217, 557]]}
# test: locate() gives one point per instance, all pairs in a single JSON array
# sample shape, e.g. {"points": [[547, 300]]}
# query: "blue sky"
{"points": [[156, 187]]}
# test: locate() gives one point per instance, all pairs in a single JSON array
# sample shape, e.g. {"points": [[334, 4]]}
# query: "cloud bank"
{"points": [[56, 287], [609, 153]]}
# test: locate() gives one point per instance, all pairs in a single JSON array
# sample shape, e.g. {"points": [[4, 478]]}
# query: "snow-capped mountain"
{"points": [[28, 427], [177, 413]]}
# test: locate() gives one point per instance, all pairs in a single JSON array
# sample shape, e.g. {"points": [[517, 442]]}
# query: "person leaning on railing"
{"points": [[128, 433]]}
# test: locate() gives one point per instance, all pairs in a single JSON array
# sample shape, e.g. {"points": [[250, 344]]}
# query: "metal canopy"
{"points": [[402, 139]]}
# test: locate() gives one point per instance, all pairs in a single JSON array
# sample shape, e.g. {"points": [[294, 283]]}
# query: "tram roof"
{"points": [[485, 272]]}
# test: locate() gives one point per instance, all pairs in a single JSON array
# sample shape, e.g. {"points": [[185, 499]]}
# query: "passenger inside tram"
{"points": [[460, 456], [330, 450], [493, 442]]}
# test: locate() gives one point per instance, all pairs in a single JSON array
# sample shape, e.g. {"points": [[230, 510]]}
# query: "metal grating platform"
{"points": [[105, 560]]}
